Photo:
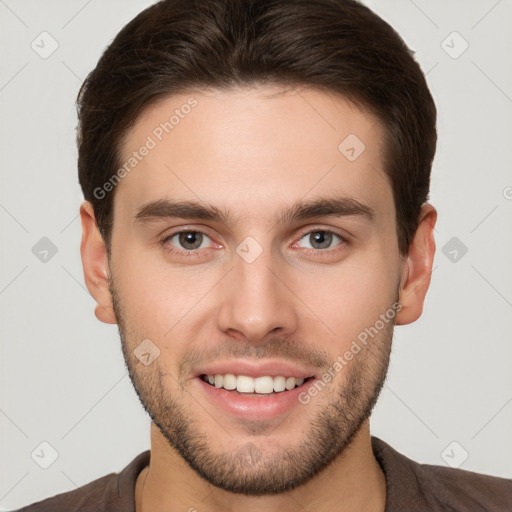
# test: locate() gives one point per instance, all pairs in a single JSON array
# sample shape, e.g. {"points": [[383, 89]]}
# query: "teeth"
{"points": [[279, 383], [261, 385], [229, 381], [290, 383], [244, 384]]}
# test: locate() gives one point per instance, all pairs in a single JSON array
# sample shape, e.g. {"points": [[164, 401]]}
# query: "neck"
{"points": [[354, 481]]}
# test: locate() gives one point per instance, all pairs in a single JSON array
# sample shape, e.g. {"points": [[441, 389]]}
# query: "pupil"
{"points": [[323, 238], [187, 239]]}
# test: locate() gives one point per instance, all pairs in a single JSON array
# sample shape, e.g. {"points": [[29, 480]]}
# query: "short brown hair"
{"points": [[339, 46]]}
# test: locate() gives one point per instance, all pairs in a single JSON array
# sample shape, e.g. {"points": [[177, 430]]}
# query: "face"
{"points": [[253, 242]]}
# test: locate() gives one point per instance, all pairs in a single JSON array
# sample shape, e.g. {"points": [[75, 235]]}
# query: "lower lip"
{"points": [[254, 407]]}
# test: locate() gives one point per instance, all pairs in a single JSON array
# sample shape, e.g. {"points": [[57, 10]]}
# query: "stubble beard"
{"points": [[248, 469]]}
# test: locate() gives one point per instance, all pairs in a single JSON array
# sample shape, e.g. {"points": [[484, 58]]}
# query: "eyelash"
{"points": [[196, 252]]}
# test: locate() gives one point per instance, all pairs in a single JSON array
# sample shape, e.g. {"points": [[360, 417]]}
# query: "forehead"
{"points": [[249, 150]]}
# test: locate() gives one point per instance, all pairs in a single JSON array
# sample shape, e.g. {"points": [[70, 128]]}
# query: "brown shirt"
{"points": [[410, 487]]}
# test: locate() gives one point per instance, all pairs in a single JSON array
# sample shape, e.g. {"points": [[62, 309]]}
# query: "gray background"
{"points": [[448, 396]]}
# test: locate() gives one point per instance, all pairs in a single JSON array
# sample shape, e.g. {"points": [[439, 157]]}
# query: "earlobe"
{"points": [[417, 267], [95, 265]]}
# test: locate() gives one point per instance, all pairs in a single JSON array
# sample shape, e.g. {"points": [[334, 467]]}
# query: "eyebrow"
{"points": [[323, 207]]}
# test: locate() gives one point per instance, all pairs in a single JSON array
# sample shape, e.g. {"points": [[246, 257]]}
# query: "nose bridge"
{"points": [[255, 301]]}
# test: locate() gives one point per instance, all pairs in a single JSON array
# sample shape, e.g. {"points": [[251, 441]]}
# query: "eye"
{"points": [[188, 240], [321, 239]]}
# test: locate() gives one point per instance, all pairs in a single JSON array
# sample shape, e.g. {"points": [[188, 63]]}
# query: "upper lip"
{"points": [[255, 369]]}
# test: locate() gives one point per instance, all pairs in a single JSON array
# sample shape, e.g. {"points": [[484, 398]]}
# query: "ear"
{"points": [[417, 267], [95, 263]]}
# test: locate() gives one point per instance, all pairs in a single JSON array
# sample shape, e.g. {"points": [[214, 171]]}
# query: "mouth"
{"points": [[260, 390], [245, 385]]}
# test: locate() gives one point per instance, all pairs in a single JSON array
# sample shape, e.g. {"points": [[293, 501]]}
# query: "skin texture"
{"points": [[254, 152]]}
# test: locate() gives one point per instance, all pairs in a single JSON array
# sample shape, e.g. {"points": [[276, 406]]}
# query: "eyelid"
{"points": [[169, 233], [325, 230], [175, 250], [345, 240], [306, 231]]}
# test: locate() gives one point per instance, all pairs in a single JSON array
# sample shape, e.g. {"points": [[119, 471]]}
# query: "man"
{"points": [[256, 176]]}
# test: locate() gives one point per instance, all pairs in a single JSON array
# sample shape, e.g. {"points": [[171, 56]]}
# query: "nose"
{"points": [[256, 301]]}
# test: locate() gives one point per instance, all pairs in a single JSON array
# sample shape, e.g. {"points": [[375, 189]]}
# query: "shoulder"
{"points": [[113, 492], [466, 489], [85, 498], [439, 488]]}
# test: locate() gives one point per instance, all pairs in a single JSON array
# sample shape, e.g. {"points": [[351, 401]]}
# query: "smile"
{"points": [[263, 385]]}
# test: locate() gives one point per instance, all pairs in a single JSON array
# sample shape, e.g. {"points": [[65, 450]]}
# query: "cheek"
{"points": [[157, 299], [350, 297], [166, 303]]}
